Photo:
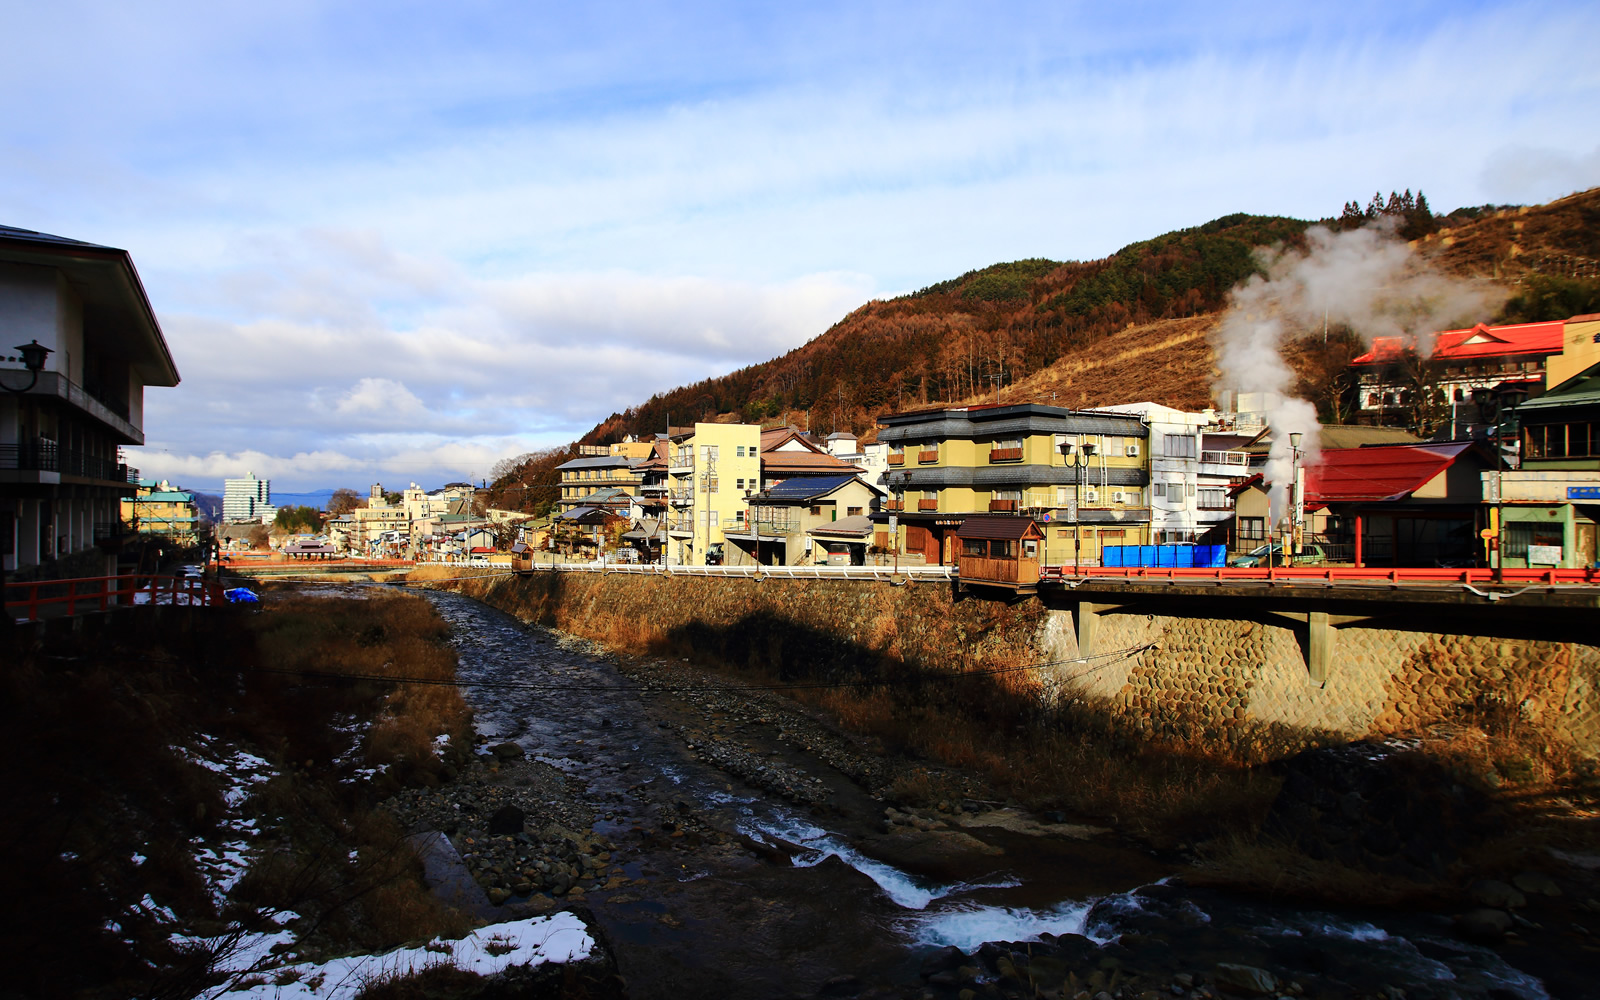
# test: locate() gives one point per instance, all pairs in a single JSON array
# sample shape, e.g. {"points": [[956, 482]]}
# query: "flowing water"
{"points": [[712, 919]]}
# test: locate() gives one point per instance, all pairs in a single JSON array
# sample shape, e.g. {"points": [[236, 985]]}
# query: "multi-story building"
{"points": [[1194, 460], [369, 524], [246, 499], [710, 476], [780, 529], [1081, 474], [63, 422], [1391, 375], [158, 509], [608, 481]]}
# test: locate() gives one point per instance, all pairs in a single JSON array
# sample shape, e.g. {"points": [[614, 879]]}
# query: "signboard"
{"points": [[1544, 555], [1583, 492]]}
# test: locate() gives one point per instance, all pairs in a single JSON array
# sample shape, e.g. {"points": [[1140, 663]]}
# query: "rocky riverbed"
{"points": [[731, 843]]}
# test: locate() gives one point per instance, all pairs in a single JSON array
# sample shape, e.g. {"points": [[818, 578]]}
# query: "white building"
{"points": [[246, 499], [63, 422], [1192, 462]]}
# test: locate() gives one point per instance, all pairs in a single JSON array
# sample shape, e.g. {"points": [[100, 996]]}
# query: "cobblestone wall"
{"points": [[1219, 672]]}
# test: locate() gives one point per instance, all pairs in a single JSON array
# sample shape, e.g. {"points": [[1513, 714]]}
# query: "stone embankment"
{"points": [[1196, 678]]}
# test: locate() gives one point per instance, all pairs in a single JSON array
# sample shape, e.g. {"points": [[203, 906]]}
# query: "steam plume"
{"points": [[1366, 279]]}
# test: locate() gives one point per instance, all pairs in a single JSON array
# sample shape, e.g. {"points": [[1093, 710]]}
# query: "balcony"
{"points": [[1002, 506], [1225, 463], [928, 457], [97, 403], [928, 504], [682, 496], [1005, 455], [897, 458], [894, 505]]}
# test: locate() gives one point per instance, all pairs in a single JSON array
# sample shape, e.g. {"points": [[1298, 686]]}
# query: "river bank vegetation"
{"points": [[187, 787]]}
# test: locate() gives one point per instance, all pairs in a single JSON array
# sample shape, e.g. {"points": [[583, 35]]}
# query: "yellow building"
{"points": [[158, 509], [606, 481], [710, 477], [1081, 475]]}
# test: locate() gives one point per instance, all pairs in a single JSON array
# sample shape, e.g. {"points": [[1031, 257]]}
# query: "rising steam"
{"points": [[1366, 279]]}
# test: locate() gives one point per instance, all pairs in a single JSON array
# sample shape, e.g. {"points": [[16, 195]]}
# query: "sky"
{"points": [[397, 242]]}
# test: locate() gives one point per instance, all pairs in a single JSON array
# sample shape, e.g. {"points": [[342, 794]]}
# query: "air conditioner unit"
{"points": [[1132, 451], [1119, 497], [1091, 495]]}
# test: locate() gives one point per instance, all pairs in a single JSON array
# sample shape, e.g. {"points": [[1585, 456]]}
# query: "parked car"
{"points": [[1311, 554]]}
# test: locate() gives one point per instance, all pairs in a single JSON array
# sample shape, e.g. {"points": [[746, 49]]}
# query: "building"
{"points": [[1391, 378], [710, 478], [1551, 502], [1081, 474], [158, 509], [611, 476], [247, 499], [95, 345], [373, 528], [797, 522]]}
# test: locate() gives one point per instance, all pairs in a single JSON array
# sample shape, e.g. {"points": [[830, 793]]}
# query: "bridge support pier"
{"points": [[1085, 616]]}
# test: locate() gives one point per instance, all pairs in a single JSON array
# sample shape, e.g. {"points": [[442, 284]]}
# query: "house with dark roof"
{"points": [[1082, 473], [598, 481], [82, 343], [1551, 502], [796, 522]]}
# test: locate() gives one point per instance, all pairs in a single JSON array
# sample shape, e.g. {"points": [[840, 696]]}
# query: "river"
{"points": [[860, 910]]}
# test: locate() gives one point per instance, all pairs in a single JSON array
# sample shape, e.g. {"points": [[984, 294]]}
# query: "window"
{"points": [[1213, 499], [1175, 488], [1252, 529], [816, 510], [1180, 446], [974, 547], [853, 512], [738, 484]]}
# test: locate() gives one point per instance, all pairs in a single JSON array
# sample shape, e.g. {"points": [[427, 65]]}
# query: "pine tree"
{"points": [[1375, 206]]}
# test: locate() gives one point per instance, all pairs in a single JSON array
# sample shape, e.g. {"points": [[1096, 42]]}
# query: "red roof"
{"points": [[483, 548], [1382, 472], [1534, 339]]}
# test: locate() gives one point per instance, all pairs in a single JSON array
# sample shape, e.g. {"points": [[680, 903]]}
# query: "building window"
{"points": [[1180, 446], [853, 511], [1252, 529], [816, 510]]}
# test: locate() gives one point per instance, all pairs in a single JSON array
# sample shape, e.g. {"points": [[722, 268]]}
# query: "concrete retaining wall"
{"points": [[1212, 675]]}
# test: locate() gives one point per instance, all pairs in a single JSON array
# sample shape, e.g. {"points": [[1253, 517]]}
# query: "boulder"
{"points": [[506, 751], [507, 820], [1483, 925], [946, 958], [1496, 895], [1536, 883], [1244, 980]]}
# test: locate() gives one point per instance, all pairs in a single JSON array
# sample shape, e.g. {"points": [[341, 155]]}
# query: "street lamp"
{"points": [[1081, 460], [1493, 405], [33, 357], [897, 486]]}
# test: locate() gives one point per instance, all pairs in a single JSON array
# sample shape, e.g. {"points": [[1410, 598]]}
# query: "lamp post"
{"points": [[897, 486], [33, 358], [1078, 457]]}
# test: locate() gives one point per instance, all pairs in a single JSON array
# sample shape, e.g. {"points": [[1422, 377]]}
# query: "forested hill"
{"points": [[987, 328], [1133, 325]]}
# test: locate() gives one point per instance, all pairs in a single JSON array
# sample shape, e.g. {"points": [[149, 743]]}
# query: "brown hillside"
{"points": [[1168, 362], [1130, 327]]}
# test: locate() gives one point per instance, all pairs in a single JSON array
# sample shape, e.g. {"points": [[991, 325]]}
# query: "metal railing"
{"points": [[879, 573], [99, 593], [38, 455], [45, 455], [1238, 459], [1333, 576]]}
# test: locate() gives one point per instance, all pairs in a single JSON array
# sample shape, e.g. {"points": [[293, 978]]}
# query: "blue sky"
{"points": [[394, 242]]}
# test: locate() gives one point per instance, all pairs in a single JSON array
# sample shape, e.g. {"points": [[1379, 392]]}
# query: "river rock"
{"points": [[946, 958], [506, 751], [498, 895], [1536, 883], [1496, 895], [1483, 925], [1244, 980], [508, 820]]}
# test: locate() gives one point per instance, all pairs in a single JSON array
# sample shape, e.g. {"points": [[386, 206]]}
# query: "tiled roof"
{"points": [[598, 462], [1384, 472], [995, 526], [1481, 341], [803, 462]]}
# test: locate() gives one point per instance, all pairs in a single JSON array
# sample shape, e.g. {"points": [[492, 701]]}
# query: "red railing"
{"points": [[98, 593], [1333, 575]]}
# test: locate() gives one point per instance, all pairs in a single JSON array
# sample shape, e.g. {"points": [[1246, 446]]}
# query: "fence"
{"points": [[99, 593], [819, 572], [1161, 556]]}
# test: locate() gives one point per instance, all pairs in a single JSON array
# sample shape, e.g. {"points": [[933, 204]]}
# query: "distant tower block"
{"points": [[245, 499]]}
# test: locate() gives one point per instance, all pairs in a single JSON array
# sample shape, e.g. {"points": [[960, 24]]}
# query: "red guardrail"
{"points": [[1330, 574], [98, 593]]}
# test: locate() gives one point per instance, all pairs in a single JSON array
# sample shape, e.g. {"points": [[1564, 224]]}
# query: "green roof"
{"points": [[1582, 389]]}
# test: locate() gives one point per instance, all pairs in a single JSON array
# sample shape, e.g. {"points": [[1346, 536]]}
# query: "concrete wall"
{"points": [[1221, 674], [1207, 677]]}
